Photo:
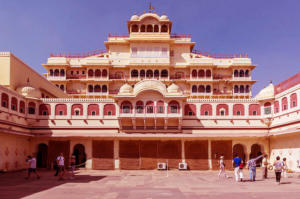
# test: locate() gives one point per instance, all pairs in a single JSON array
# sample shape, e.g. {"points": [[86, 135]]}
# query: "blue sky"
{"points": [[268, 30]]}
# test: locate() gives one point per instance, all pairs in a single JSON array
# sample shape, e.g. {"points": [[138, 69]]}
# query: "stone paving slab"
{"points": [[143, 184]]}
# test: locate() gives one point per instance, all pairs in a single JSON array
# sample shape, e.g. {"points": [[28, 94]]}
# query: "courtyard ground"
{"points": [[146, 184]]}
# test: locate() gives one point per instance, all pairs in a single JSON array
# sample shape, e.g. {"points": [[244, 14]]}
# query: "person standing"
{"points": [[61, 165], [264, 167], [284, 168], [32, 167], [278, 169], [72, 163], [222, 167], [252, 167], [236, 163]]}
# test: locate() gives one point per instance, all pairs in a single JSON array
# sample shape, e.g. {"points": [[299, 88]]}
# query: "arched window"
{"points": [[61, 109], [62, 87], [267, 108], [104, 73], [109, 109], [93, 109], [97, 89], [139, 107], [31, 108], [56, 72], [206, 109], [104, 89], [126, 107], [247, 73], [208, 73], [62, 72], [236, 73], [149, 28], [14, 104], [22, 107], [142, 73], [149, 73], [190, 109], [156, 73], [91, 88], [276, 107], [98, 73], [194, 73], [44, 109], [134, 28], [90, 73], [293, 100], [173, 107], [150, 107], [208, 89], [247, 90], [156, 29], [164, 28], [201, 89], [284, 103], [242, 89], [51, 72], [238, 109], [160, 107], [194, 89], [164, 73], [201, 73], [134, 73], [143, 28], [242, 73], [77, 109], [236, 89], [222, 107]]}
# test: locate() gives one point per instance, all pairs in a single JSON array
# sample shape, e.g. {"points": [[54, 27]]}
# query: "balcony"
{"points": [[219, 56], [76, 76], [79, 55], [241, 78], [56, 78], [76, 92], [149, 60], [220, 93], [222, 77], [180, 77]]}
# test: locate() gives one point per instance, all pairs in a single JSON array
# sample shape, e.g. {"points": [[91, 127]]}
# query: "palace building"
{"points": [[148, 98]]}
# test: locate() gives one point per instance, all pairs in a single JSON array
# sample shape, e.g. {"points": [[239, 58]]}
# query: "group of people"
{"points": [[238, 164], [59, 166]]}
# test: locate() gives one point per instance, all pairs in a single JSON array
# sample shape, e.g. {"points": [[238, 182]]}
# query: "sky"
{"points": [[268, 30]]}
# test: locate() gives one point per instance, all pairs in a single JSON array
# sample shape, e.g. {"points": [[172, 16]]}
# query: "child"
{"points": [[284, 168]]}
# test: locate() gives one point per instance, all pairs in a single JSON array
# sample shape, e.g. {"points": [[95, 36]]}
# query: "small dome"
{"points": [[173, 88], [29, 91], [134, 18], [266, 93], [164, 17], [126, 88]]}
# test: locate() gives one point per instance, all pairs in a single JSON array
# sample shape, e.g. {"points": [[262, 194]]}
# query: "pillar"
{"points": [[209, 155], [182, 151], [116, 154]]}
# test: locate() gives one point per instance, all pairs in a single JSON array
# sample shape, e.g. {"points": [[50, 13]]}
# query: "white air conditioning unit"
{"points": [[182, 166], [161, 166]]}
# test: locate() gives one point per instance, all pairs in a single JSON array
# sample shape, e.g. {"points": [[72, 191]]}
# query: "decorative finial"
{"points": [[270, 81], [151, 8]]}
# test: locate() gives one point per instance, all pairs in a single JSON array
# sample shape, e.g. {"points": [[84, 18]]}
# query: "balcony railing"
{"points": [[222, 77], [118, 35], [180, 35], [172, 35], [76, 92], [118, 76], [179, 77], [79, 55], [76, 76], [219, 56], [218, 92]]}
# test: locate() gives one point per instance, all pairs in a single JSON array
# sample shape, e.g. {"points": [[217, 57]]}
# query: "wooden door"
{"points": [[103, 154]]}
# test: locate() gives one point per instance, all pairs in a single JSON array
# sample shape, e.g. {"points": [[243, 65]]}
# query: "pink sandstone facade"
{"points": [[149, 97]]}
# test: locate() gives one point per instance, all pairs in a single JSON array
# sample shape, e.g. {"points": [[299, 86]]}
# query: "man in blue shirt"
{"points": [[236, 163], [252, 167]]}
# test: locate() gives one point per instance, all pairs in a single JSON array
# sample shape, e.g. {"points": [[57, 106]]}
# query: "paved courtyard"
{"points": [[146, 185]]}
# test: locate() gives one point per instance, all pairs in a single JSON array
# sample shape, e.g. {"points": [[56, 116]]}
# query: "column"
{"points": [[89, 154], [209, 155], [182, 151], [116, 154], [69, 110], [85, 110]]}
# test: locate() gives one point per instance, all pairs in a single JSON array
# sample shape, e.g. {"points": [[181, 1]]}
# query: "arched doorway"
{"points": [[42, 156], [79, 152], [255, 152], [239, 150]]}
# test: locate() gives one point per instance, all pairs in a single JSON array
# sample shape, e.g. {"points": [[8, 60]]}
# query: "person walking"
{"points": [[55, 167], [241, 171], [284, 168], [264, 167], [32, 167], [236, 163], [252, 167], [61, 166], [72, 163], [278, 166], [222, 167]]}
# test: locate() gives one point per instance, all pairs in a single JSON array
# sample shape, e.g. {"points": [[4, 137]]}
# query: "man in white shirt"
{"points": [[32, 167], [61, 165]]}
